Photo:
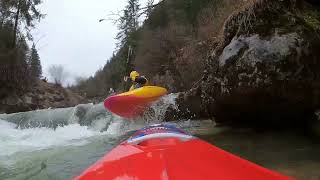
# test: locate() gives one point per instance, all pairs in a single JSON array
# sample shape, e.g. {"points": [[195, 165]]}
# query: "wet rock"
{"points": [[58, 98], [27, 99], [12, 100], [265, 76], [80, 111], [189, 105], [12, 104], [265, 81], [43, 95], [314, 2], [315, 126], [248, 51]]}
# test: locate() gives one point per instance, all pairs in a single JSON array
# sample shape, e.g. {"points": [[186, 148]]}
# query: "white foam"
{"points": [[160, 107], [17, 140], [13, 140]]}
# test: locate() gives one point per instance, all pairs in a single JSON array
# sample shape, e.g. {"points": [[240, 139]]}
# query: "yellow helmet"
{"points": [[133, 75]]}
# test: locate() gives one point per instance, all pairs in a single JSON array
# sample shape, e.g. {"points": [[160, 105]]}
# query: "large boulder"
{"points": [[12, 104], [270, 75], [268, 80], [265, 72]]}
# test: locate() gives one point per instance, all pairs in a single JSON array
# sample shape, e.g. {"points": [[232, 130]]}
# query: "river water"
{"points": [[58, 144]]}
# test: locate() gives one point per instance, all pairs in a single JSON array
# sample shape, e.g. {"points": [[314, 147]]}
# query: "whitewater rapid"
{"points": [[21, 140], [36, 144], [59, 144]]}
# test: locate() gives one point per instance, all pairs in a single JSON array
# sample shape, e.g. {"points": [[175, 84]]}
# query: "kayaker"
{"points": [[137, 80]]}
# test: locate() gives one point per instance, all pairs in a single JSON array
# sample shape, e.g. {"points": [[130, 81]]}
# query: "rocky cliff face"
{"points": [[265, 70], [43, 95]]}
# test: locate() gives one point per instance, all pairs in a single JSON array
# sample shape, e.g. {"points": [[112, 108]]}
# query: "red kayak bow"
{"points": [[164, 152]]}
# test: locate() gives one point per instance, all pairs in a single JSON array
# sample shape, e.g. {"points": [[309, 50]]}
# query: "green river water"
{"points": [[30, 152]]}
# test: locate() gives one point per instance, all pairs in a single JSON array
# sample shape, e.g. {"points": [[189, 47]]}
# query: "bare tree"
{"points": [[58, 74], [79, 80]]}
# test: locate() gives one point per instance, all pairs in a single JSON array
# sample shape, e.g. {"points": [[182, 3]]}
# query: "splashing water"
{"points": [[37, 143], [21, 140], [157, 111], [61, 143]]}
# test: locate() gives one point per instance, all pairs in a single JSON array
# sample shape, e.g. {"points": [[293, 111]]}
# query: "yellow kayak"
{"points": [[133, 103]]}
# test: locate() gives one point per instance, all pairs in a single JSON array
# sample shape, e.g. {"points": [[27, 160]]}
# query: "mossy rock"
{"points": [[312, 20]]}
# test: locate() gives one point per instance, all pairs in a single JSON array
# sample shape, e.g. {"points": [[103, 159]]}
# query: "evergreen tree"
{"points": [[4, 12], [35, 64], [15, 69], [149, 8], [21, 11], [192, 9], [18, 76], [128, 23]]}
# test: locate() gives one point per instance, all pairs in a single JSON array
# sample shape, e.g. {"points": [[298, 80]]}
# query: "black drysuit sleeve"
{"points": [[141, 80]]}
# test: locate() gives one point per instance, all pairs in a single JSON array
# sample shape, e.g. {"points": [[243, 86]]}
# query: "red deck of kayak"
{"points": [[172, 159], [128, 106]]}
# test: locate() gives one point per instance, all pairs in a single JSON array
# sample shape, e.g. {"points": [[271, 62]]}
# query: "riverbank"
{"points": [[42, 95]]}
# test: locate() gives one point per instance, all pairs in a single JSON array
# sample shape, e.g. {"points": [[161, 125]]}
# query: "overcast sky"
{"points": [[71, 35]]}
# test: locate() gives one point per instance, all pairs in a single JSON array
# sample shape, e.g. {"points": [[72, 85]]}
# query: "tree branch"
{"points": [[153, 6], [111, 17], [145, 9]]}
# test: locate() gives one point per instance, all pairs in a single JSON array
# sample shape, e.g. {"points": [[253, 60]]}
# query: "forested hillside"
{"points": [[243, 62], [20, 64], [170, 46], [21, 88]]}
